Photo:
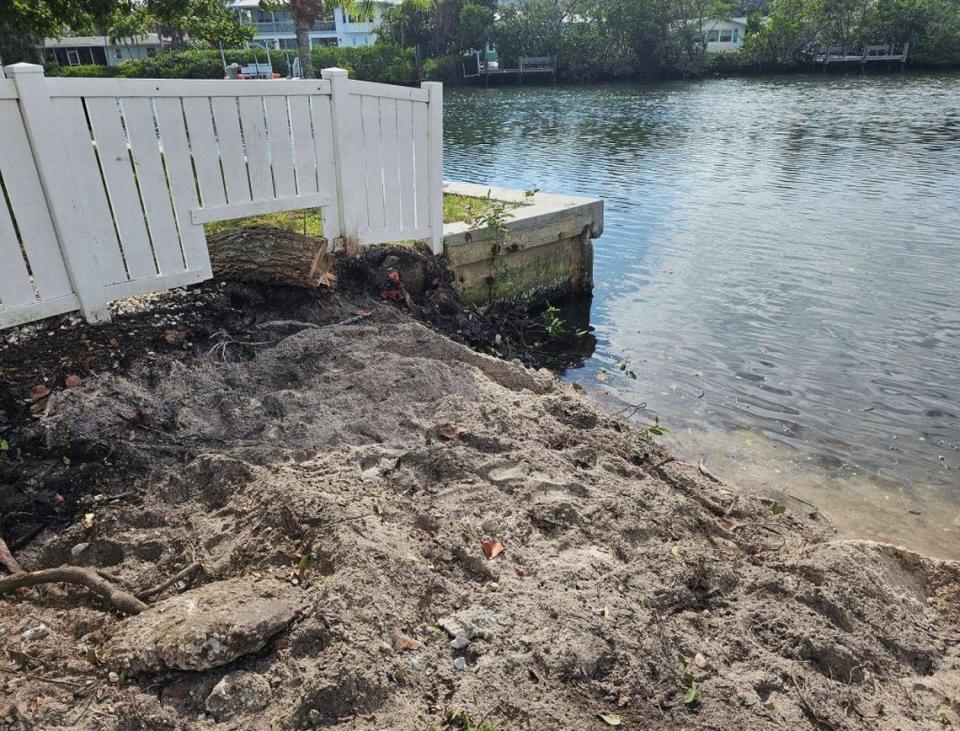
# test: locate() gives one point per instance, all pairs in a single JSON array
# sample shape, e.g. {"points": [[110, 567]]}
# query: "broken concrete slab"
{"points": [[206, 627]]}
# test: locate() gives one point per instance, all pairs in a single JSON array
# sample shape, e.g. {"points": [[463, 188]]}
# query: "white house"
{"points": [[723, 35], [275, 29], [79, 50]]}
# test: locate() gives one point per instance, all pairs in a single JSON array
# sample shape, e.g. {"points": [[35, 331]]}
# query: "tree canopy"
{"points": [[26, 23], [598, 39]]}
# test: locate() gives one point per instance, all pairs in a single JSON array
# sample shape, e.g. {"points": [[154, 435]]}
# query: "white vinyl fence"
{"points": [[107, 182]]}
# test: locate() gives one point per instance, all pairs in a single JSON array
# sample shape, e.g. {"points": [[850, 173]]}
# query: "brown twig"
{"points": [[817, 721], [120, 599], [817, 510], [707, 473], [163, 586], [7, 559]]}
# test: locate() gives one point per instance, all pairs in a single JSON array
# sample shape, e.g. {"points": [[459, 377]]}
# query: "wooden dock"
{"points": [[830, 55], [536, 66]]}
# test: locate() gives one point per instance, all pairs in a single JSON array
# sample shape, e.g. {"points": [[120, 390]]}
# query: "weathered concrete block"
{"points": [[545, 250]]}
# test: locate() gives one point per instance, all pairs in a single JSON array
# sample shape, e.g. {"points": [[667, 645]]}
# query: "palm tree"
{"points": [[307, 12]]}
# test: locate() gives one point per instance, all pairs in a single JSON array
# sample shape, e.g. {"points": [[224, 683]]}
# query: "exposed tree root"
{"points": [[120, 599], [187, 573], [707, 473]]}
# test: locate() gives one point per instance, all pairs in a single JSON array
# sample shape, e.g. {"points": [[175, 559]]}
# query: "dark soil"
{"points": [[37, 360]]}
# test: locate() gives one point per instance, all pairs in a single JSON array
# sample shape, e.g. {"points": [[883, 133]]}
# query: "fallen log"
{"points": [[271, 256]]}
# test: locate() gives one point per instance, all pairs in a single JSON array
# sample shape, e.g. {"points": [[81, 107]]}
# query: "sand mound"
{"points": [[371, 469]]}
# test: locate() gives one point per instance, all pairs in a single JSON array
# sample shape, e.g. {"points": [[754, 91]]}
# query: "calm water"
{"points": [[780, 269]]}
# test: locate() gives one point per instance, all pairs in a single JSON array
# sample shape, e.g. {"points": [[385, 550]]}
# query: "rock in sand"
{"points": [[206, 627]]}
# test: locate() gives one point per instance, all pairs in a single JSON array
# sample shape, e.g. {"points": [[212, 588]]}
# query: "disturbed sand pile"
{"points": [[343, 490]]}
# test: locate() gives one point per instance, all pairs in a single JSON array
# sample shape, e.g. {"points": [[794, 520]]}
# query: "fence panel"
{"points": [[33, 276], [107, 182], [396, 154]]}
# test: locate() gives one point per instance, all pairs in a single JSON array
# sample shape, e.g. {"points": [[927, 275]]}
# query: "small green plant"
{"points": [[463, 721], [691, 687], [655, 429], [4, 445], [492, 216], [554, 324]]}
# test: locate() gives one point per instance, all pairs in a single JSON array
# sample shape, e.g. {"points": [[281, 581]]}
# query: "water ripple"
{"points": [[780, 255]]}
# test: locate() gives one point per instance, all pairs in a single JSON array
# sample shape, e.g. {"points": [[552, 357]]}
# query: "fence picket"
{"points": [[157, 206], [393, 220], [304, 163], [255, 146], [15, 287], [203, 147], [405, 162], [230, 142], [373, 161], [281, 147], [421, 145]]}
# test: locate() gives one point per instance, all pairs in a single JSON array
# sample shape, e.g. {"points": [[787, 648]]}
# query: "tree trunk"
{"points": [[303, 46], [271, 256]]}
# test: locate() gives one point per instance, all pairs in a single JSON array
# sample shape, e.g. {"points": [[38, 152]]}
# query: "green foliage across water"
{"points": [[614, 39], [594, 39]]}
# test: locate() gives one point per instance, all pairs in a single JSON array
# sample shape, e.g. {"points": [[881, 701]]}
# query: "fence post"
{"points": [[435, 144], [345, 144], [76, 243]]}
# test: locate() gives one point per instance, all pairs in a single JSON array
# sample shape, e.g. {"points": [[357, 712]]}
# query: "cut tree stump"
{"points": [[271, 256]]}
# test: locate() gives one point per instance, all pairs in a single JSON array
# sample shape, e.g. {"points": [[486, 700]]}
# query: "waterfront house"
{"points": [[276, 30], [723, 35], [100, 50]]}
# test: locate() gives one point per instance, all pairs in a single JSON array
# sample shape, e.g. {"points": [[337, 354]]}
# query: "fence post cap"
{"points": [[332, 72], [23, 68]]}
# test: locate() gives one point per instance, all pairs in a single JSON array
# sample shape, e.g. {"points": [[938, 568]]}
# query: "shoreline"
{"points": [[918, 515], [397, 531], [800, 72]]}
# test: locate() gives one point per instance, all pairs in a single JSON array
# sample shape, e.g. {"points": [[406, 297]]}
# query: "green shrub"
{"points": [[446, 69], [192, 64], [384, 63], [88, 70]]}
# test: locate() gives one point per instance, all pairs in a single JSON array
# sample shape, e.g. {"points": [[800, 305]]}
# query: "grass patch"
{"points": [[310, 221], [462, 208], [307, 221]]}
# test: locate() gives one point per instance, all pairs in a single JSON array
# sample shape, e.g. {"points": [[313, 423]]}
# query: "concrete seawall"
{"points": [[544, 248]]}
